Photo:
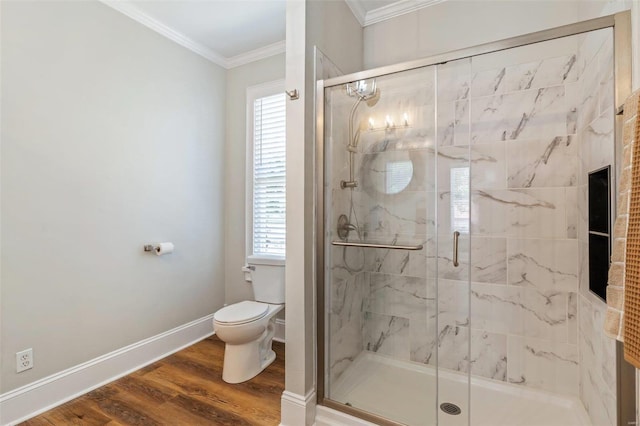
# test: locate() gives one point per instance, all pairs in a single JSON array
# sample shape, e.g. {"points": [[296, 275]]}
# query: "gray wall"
{"points": [[331, 27], [238, 79], [112, 137]]}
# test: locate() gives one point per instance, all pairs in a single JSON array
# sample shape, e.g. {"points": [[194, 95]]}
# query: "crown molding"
{"points": [[398, 8], [143, 18], [256, 55], [138, 15], [358, 10], [389, 11], [365, 18]]}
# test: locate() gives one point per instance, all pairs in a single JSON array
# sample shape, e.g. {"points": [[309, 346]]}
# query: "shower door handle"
{"points": [[456, 234]]}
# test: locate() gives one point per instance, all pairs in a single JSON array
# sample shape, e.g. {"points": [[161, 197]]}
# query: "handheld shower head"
{"points": [[362, 89], [369, 93]]}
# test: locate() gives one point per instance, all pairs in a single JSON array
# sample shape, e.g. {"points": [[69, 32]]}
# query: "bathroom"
{"points": [[75, 215]]}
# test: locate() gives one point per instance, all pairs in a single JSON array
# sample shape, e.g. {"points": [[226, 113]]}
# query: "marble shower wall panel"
{"points": [[414, 263], [487, 355], [411, 93], [398, 296], [544, 264], [345, 318], [489, 260], [423, 335], [396, 316], [534, 213], [399, 308], [532, 75], [572, 318], [596, 138], [597, 364], [489, 165], [387, 335], [401, 301], [453, 302], [573, 211], [404, 219], [597, 380], [542, 163], [544, 365], [453, 79], [524, 166], [521, 115]]}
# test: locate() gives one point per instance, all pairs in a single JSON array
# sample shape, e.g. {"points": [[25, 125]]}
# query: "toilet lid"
{"points": [[241, 312]]}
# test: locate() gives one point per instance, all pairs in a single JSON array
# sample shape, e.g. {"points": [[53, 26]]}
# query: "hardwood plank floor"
{"points": [[185, 388]]}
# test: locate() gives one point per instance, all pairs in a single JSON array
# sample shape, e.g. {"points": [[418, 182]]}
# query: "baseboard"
{"points": [[298, 410], [23, 403], [326, 416], [279, 336]]}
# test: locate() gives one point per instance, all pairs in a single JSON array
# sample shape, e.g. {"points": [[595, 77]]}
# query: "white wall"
{"points": [[112, 137], [238, 79]]}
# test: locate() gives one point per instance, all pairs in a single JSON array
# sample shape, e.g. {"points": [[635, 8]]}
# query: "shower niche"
{"points": [[599, 230]]}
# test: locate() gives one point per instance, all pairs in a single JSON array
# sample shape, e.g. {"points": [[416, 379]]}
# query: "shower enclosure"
{"points": [[453, 268]]}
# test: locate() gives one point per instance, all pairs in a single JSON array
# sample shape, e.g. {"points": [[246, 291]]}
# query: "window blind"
{"points": [[460, 199], [269, 170]]}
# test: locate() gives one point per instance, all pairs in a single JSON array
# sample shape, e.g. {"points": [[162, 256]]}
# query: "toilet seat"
{"points": [[241, 313]]}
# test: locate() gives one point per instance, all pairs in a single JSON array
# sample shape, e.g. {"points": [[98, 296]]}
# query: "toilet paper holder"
{"points": [[160, 249]]}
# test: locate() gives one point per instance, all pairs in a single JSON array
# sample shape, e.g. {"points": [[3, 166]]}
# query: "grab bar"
{"points": [[380, 246]]}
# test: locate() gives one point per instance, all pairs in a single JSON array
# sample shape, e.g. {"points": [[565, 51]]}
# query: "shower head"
{"points": [[362, 89], [369, 93]]}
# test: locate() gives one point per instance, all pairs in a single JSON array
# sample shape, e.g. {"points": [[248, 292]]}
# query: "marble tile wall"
{"points": [[400, 307], [345, 317], [597, 385], [527, 130], [379, 299], [514, 127]]}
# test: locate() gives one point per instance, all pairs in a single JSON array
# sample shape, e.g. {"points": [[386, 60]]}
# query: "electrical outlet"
{"points": [[24, 360]]}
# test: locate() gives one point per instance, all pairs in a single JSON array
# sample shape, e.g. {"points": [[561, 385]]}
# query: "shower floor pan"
{"points": [[405, 392]]}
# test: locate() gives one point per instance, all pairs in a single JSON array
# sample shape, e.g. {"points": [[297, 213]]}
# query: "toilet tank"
{"points": [[268, 283]]}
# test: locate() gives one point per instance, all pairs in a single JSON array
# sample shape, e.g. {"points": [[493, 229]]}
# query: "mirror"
{"points": [[388, 172]]}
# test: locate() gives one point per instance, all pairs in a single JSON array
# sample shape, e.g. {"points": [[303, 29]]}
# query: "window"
{"points": [[460, 199], [266, 173]]}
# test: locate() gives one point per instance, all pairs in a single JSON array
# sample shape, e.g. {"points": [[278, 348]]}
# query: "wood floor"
{"points": [[185, 388]]}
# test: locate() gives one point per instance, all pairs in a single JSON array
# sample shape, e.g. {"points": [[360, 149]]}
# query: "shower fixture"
{"points": [[363, 91], [345, 227]]}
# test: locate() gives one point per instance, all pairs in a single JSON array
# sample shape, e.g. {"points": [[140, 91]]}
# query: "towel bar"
{"points": [[381, 246]]}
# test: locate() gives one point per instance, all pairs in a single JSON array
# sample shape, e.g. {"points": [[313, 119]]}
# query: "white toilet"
{"points": [[247, 327]]}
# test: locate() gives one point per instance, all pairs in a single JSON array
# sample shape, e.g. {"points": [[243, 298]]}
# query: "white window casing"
{"points": [[266, 174]]}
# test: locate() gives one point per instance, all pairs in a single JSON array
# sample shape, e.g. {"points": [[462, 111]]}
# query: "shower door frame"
{"points": [[622, 58]]}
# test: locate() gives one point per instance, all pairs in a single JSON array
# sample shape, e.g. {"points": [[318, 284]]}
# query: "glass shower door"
{"points": [[454, 246], [386, 252]]}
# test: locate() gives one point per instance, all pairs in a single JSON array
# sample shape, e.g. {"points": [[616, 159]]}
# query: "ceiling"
{"points": [[235, 32]]}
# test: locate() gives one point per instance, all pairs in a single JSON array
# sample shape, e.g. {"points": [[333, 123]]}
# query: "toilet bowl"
{"points": [[247, 328]]}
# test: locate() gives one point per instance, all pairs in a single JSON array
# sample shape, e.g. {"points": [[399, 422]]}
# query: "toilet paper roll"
{"points": [[164, 248]]}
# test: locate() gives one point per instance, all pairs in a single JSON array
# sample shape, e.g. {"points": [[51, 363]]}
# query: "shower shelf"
{"points": [[379, 246]]}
